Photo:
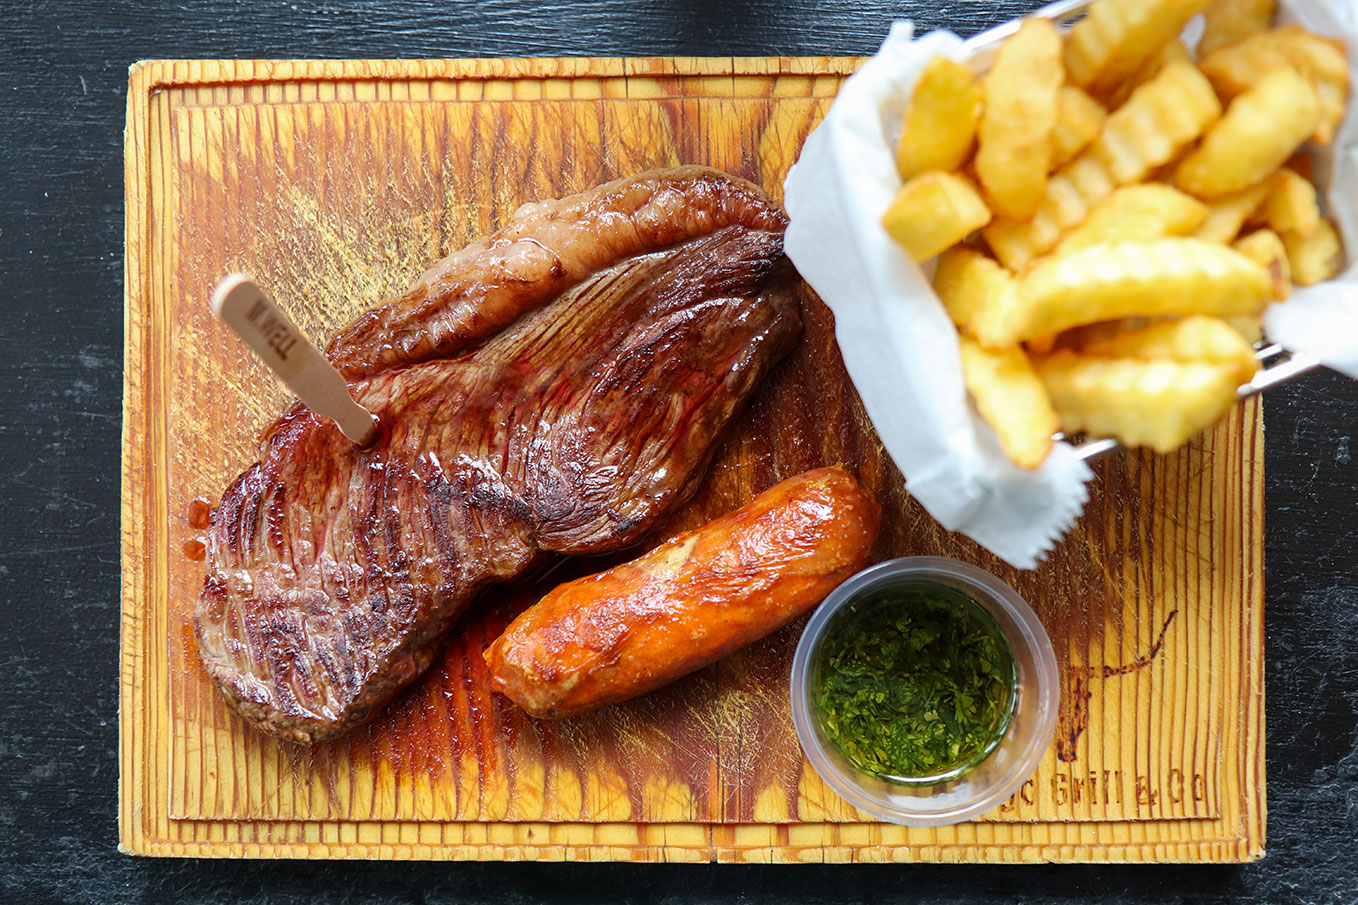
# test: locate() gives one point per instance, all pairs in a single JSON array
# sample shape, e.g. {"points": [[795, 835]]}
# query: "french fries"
{"points": [[1129, 279], [1014, 147], [1117, 36], [1227, 214], [1260, 129], [1290, 204], [934, 211], [1193, 338], [978, 294], [1071, 192], [1227, 21], [1158, 403], [1079, 118], [1235, 68], [1113, 291], [1137, 213], [1314, 258], [1011, 399], [1265, 248], [940, 123], [1173, 52], [1160, 118]]}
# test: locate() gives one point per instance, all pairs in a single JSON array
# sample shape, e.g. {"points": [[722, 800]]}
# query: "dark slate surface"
{"points": [[63, 70]]}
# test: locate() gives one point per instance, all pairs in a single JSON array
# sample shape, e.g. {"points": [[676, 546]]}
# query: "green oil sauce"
{"points": [[915, 683]]}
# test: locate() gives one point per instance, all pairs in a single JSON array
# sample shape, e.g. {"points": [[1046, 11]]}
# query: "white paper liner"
{"points": [[898, 344]]}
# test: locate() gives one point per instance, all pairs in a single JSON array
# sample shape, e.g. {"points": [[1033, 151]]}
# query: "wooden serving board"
{"points": [[335, 184]]}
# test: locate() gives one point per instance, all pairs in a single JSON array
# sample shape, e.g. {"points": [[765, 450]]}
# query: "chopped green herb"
{"points": [[915, 682]]}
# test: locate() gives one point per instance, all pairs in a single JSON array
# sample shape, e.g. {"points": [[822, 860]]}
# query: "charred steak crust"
{"points": [[585, 403]]}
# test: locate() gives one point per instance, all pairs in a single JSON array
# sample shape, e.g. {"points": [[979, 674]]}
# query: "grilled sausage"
{"points": [[691, 601]]}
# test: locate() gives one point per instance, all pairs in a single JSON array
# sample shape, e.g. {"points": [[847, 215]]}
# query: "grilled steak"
{"points": [[546, 248], [590, 407]]}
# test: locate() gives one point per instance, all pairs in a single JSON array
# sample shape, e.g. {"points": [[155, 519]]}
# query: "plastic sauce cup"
{"points": [[989, 782]]}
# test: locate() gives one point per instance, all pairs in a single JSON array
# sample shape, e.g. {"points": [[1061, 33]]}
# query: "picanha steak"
{"points": [[555, 387]]}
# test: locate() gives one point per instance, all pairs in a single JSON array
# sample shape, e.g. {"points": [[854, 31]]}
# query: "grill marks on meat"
{"points": [[334, 571]]}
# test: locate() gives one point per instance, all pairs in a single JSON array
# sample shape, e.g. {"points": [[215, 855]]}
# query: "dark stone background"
{"points": [[63, 78]]}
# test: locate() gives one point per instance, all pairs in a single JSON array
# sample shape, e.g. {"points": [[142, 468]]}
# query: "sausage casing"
{"points": [[689, 602]]}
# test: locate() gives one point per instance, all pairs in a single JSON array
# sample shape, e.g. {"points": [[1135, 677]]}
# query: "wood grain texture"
{"points": [[335, 183]]}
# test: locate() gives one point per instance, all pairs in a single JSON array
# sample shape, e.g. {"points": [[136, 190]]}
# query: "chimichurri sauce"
{"points": [[916, 683]]}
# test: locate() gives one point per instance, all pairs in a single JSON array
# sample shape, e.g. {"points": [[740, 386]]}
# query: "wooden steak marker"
{"points": [[244, 307]]}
